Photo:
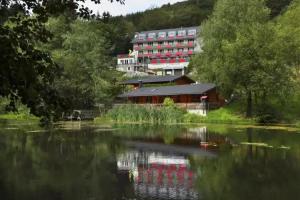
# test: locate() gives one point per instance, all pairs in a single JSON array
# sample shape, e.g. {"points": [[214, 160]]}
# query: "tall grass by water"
{"points": [[167, 114]]}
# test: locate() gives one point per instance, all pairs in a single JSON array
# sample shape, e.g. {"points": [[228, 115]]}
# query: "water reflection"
{"points": [[138, 162], [159, 176]]}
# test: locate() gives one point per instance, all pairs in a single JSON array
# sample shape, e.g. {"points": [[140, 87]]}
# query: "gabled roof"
{"points": [[156, 79], [192, 89]]}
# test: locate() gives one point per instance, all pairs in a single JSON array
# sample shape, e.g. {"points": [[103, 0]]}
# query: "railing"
{"points": [[168, 54], [188, 106], [165, 46], [165, 38]]}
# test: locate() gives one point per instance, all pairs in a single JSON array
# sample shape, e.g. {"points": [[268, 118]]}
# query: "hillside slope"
{"points": [[181, 14]]}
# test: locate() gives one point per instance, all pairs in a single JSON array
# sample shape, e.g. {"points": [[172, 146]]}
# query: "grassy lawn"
{"points": [[18, 116]]}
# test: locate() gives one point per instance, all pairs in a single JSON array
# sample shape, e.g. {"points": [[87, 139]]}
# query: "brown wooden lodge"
{"points": [[182, 89]]}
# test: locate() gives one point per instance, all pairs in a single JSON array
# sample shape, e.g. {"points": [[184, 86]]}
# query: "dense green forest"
{"points": [[253, 58], [181, 14], [62, 57]]}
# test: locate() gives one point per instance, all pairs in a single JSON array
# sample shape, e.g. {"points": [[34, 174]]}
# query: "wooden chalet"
{"points": [[184, 92]]}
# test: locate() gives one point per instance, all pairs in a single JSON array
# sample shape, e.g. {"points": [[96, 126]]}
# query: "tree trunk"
{"points": [[249, 104]]}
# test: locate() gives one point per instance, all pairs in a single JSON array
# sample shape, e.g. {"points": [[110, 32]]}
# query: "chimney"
{"points": [[140, 83]]}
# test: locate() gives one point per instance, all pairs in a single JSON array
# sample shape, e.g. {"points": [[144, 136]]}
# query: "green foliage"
{"points": [[146, 114], [241, 53], [26, 72], [83, 49], [21, 112], [168, 102], [222, 115]]}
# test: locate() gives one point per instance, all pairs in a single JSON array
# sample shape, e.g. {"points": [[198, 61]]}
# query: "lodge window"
{"points": [[171, 34], [195, 98], [151, 35], [192, 32], [149, 99], [162, 34], [182, 33], [142, 36]]}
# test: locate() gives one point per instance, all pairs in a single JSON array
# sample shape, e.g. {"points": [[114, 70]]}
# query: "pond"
{"points": [[76, 160]]}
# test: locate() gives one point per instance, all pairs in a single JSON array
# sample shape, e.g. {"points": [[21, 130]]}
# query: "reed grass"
{"points": [[146, 114]]}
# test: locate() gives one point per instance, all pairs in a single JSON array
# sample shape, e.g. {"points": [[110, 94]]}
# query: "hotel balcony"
{"points": [[166, 55], [168, 38], [165, 46]]}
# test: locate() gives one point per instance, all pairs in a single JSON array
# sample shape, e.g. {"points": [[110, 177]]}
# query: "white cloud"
{"points": [[131, 6]]}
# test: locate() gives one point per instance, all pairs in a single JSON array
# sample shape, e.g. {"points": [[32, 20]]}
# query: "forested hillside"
{"points": [[181, 14]]}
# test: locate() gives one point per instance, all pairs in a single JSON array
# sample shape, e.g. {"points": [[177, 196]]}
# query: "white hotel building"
{"points": [[161, 52]]}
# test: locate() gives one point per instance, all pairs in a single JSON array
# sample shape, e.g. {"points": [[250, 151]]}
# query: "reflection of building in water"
{"points": [[206, 139], [159, 175]]}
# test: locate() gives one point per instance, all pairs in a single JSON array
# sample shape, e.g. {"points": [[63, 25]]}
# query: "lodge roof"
{"points": [[192, 89], [157, 79]]}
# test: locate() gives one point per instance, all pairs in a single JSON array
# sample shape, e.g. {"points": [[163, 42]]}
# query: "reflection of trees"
{"points": [[251, 172], [58, 166], [155, 132]]}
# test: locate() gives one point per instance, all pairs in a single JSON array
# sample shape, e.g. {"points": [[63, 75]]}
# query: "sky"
{"points": [[131, 6]]}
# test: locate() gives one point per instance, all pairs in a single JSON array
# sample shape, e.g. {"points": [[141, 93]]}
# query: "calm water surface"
{"points": [[85, 161]]}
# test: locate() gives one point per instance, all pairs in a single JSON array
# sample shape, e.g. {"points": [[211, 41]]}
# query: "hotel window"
{"points": [[150, 43], [142, 36], [192, 32], [190, 49], [181, 33], [191, 40], [150, 52], [160, 43], [140, 44], [180, 50], [140, 52], [160, 51], [170, 50], [180, 42], [171, 34], [151, 35], [170, 42], [162, 34]]}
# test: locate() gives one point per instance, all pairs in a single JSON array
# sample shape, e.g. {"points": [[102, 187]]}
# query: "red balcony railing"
{"points": [[191, 44]]}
